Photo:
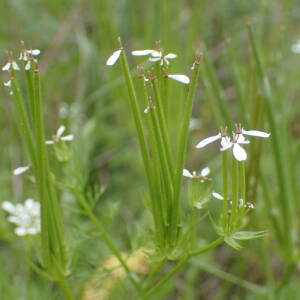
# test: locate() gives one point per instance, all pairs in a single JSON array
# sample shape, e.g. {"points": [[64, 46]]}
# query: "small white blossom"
{"points": [[202, 175], [113, 58], [29, 56], [8, 84], [217, 196], [21, 170], [58, 136], [26, 217], [296, 47], [180, 78], [237, 139], [11, 65], [156, 55]]}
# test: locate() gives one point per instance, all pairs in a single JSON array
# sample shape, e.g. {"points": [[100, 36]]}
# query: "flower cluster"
{"points": [[58, 136], [235, 142], [241, 201], [25, 216], [27, 56], [202, 175], [155, 56]]}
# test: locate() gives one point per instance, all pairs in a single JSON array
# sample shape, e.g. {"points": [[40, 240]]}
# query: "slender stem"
{"points": [[182, 264], [285, 197], [224, 216], [111, 245], [235, 193], [182, 145]]}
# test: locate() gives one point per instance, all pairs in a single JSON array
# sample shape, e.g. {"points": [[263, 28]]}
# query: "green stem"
{"points": [[181, 264], [182, 146], [109, 242], [224, 216], [285, 195]]}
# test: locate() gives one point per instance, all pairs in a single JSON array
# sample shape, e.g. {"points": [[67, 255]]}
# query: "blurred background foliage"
{"points": [[79, 91]]}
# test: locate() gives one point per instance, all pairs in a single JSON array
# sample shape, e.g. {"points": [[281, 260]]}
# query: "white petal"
{"points": [[7, 83], [20, 231], [69, 137], [181, 78], [187, 173], [20, 170], [208, 140], [60, 130], [154, 59], [6, 67], [49, 142], [241, 139], [170, 56], [34, 52], [146, 110], [28, 65], [29, 204], [205, 172], [15, 66], [113, 58], [239, 153], [241, 202], [296, 48], [9, 207], [225, 143], [142, 52], [156, 54], [217, 196], [33, 230], [14, 219], [256, 133]]}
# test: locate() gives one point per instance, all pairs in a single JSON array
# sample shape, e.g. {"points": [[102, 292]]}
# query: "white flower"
{"points": [[11, 65], [217, 196], [8, 84], [29, 54], [296, 47], [58, 136], [26, 217], [156, 55], [21, 170], [203, 174], [181, 78], [159, 56], [238, 138], [113, 58]]}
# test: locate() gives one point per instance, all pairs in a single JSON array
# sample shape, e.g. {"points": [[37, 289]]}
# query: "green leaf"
{"points": [[232, 243], [248, 235]]}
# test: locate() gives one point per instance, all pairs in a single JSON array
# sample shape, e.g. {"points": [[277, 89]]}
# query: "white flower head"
{"points": [[193, 175], [180, 78], [114, 57], [21, 170], [155, 55], [58, 136], [28, 55], [235, 142], [158, 56], [11, 64], [25, 216], [8, 84], [296, 47]]}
